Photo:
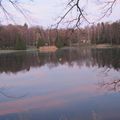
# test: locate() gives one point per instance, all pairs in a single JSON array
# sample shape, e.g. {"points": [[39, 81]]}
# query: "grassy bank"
{"points": [[49, 49], [105, 46], [14, 51]]}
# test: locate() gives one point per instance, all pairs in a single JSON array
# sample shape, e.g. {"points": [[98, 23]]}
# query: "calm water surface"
{"points": [[71, 84]]}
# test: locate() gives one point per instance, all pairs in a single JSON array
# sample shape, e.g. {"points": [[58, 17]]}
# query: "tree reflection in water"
{"points": [[2, 92], [100, 58], [111, 85], [23, 61]]}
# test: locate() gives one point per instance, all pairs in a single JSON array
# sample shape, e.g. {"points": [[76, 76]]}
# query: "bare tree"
{"points": [[14, 4], [81, 14]]}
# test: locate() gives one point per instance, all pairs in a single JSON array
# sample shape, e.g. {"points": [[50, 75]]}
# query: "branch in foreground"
{"points": [[81, 13], [15, 4]]}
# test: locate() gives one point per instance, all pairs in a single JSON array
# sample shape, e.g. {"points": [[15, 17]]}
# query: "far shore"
{"points": [[105, 46], [99, 46], [48, 49], [14, 51]]}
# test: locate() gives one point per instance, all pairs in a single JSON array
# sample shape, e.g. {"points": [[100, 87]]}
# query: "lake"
{"points": [[70, 84]]}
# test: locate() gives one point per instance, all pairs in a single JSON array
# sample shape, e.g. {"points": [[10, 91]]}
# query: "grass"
{"points": [[101, 46], [105, 46], [14, 51]]}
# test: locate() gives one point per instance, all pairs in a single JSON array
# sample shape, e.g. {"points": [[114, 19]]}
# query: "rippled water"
{"points": [[71, 84]]}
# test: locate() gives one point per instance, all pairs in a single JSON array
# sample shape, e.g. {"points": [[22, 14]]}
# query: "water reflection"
{"points": [[107, 58], [71, 84]]}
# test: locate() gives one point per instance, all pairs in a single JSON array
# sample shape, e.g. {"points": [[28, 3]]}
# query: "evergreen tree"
{"points": [[59, 43], [20, 44], [40, 43]]}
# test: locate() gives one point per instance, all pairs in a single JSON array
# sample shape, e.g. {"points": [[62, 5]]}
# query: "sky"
{"points": [[46, 12]]}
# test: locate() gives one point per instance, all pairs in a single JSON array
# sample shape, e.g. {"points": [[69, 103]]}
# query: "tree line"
{"points": [[20, 37], [105, 33]]}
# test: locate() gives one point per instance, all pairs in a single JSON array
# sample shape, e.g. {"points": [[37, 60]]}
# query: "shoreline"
{"points": [[16, 51], [99, 46], [104, 46]]}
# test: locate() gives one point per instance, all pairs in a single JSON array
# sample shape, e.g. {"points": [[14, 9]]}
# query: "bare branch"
{"points": [[15, 4], [76, 5]]}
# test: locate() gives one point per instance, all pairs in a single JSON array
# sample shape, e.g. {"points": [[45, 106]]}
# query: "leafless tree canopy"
{"points": [[75, 5], [14, 4]]}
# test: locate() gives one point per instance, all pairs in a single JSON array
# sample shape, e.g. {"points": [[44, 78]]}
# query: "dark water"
{"points": [[77, 84]]}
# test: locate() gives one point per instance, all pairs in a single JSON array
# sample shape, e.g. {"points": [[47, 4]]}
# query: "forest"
{"points": [[20, 37]]}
